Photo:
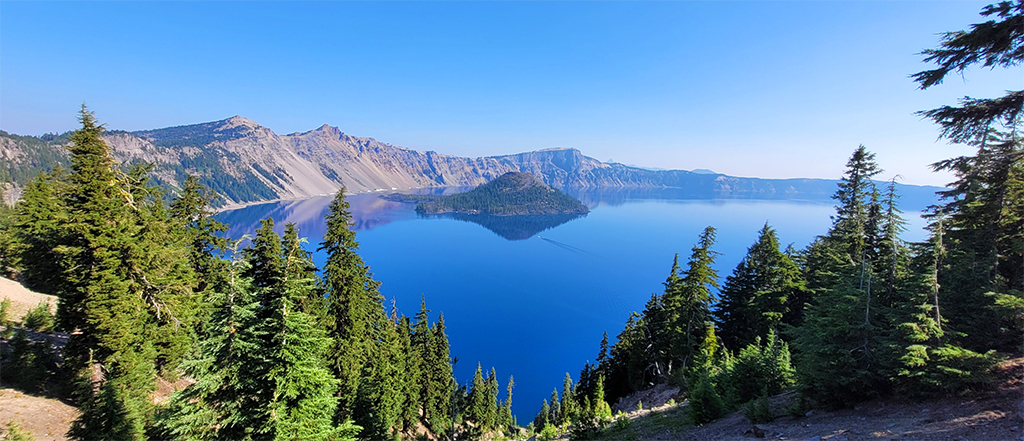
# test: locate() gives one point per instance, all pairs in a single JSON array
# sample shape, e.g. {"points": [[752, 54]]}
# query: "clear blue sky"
{"points": [[768, 89]]}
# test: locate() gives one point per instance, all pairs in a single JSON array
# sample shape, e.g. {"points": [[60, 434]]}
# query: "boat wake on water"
{"points": [[566, 246]]}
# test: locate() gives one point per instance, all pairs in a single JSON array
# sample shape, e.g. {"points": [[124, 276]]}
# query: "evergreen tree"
{"points": [[440, 377], [569, 406], [507, 420], [659, 329], [491, 390], [844, 343], [192, 212], [556, 410], [40, 220], [759, 294], [602, 354], [478, 396], [541, 420], [409, 365], [124, 284], [365, 345], [601, 408], [689, 311], [296, 399], [928, 364], [850, 226], [983, 281], [215, 406]]}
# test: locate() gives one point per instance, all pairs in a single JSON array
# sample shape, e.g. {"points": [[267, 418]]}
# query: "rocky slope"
{"points": [[246, 162]]}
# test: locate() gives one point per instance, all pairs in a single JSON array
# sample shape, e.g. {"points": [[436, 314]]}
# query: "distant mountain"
{"points": [[512, 193], [246, 162]]}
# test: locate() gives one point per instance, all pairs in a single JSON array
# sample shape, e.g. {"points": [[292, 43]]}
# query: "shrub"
{"points": [[16, 433], [28, 366], [622, 422], [758, 411], [759, 369], [39, 319], [548, 433], [5, 312], [705, 403]]}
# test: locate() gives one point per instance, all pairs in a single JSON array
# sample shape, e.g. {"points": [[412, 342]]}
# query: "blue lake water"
{"points": [[531, 297]]}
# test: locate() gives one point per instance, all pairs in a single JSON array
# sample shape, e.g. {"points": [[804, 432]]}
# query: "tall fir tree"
{"points": [[216, 405], [983, 281], [844, 342], [296, 398], [758, 296], [365, 343], [688, 311], [123, 282]]}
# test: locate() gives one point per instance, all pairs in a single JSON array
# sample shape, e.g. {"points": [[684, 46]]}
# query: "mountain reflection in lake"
{"points": [[536, 308], [519, 227]]}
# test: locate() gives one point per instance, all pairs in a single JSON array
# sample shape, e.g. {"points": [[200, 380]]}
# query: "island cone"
{"points": [[513, 193]]}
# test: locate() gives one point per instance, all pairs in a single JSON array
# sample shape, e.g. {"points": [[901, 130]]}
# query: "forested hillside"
{"points": [[270, 346], [509, 194]]}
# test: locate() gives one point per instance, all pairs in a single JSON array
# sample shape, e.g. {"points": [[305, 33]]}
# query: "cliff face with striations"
{"points": [[246, 162]]}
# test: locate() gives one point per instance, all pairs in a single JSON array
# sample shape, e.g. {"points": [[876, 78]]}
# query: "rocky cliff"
{"points": [[246, 162]]}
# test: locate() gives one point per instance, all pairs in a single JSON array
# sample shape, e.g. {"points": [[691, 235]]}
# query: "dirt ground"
{"points": [[996, 415], [22, 299], [45, 418]]}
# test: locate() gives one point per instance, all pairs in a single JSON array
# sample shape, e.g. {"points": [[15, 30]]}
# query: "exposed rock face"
{"points": [[247, 162]]}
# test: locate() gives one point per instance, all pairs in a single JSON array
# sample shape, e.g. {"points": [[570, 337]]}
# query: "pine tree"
{"points": [[192, 211], [412, 376], [602, 354], [569, 406], [759, 294], [845, 339], [507, 421], [541, 420], [491, 390], [440, 377], [124, 284], [984, 278], [296, 399], [689, 311], [601, 408], [659, 329], [40, 219], [213, 407], [365, 344], [556, 410], [928, 364], [850, 226], [478, 396]]}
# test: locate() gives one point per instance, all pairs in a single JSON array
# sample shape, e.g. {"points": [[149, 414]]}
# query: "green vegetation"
{"points": [[865, 313], [276, 350], [280, 349], [509, 194], [39, 319], [16, 433]]}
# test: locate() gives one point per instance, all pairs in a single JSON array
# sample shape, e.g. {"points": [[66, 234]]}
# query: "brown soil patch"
{"points": [[993, 415], [45, 418], [22, 299]]}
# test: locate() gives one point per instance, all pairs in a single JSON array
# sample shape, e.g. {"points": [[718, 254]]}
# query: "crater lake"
{"points": [[532, 295]]}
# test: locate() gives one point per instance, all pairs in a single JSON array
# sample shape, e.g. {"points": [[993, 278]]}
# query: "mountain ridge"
{"points": [[246, 162]]}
